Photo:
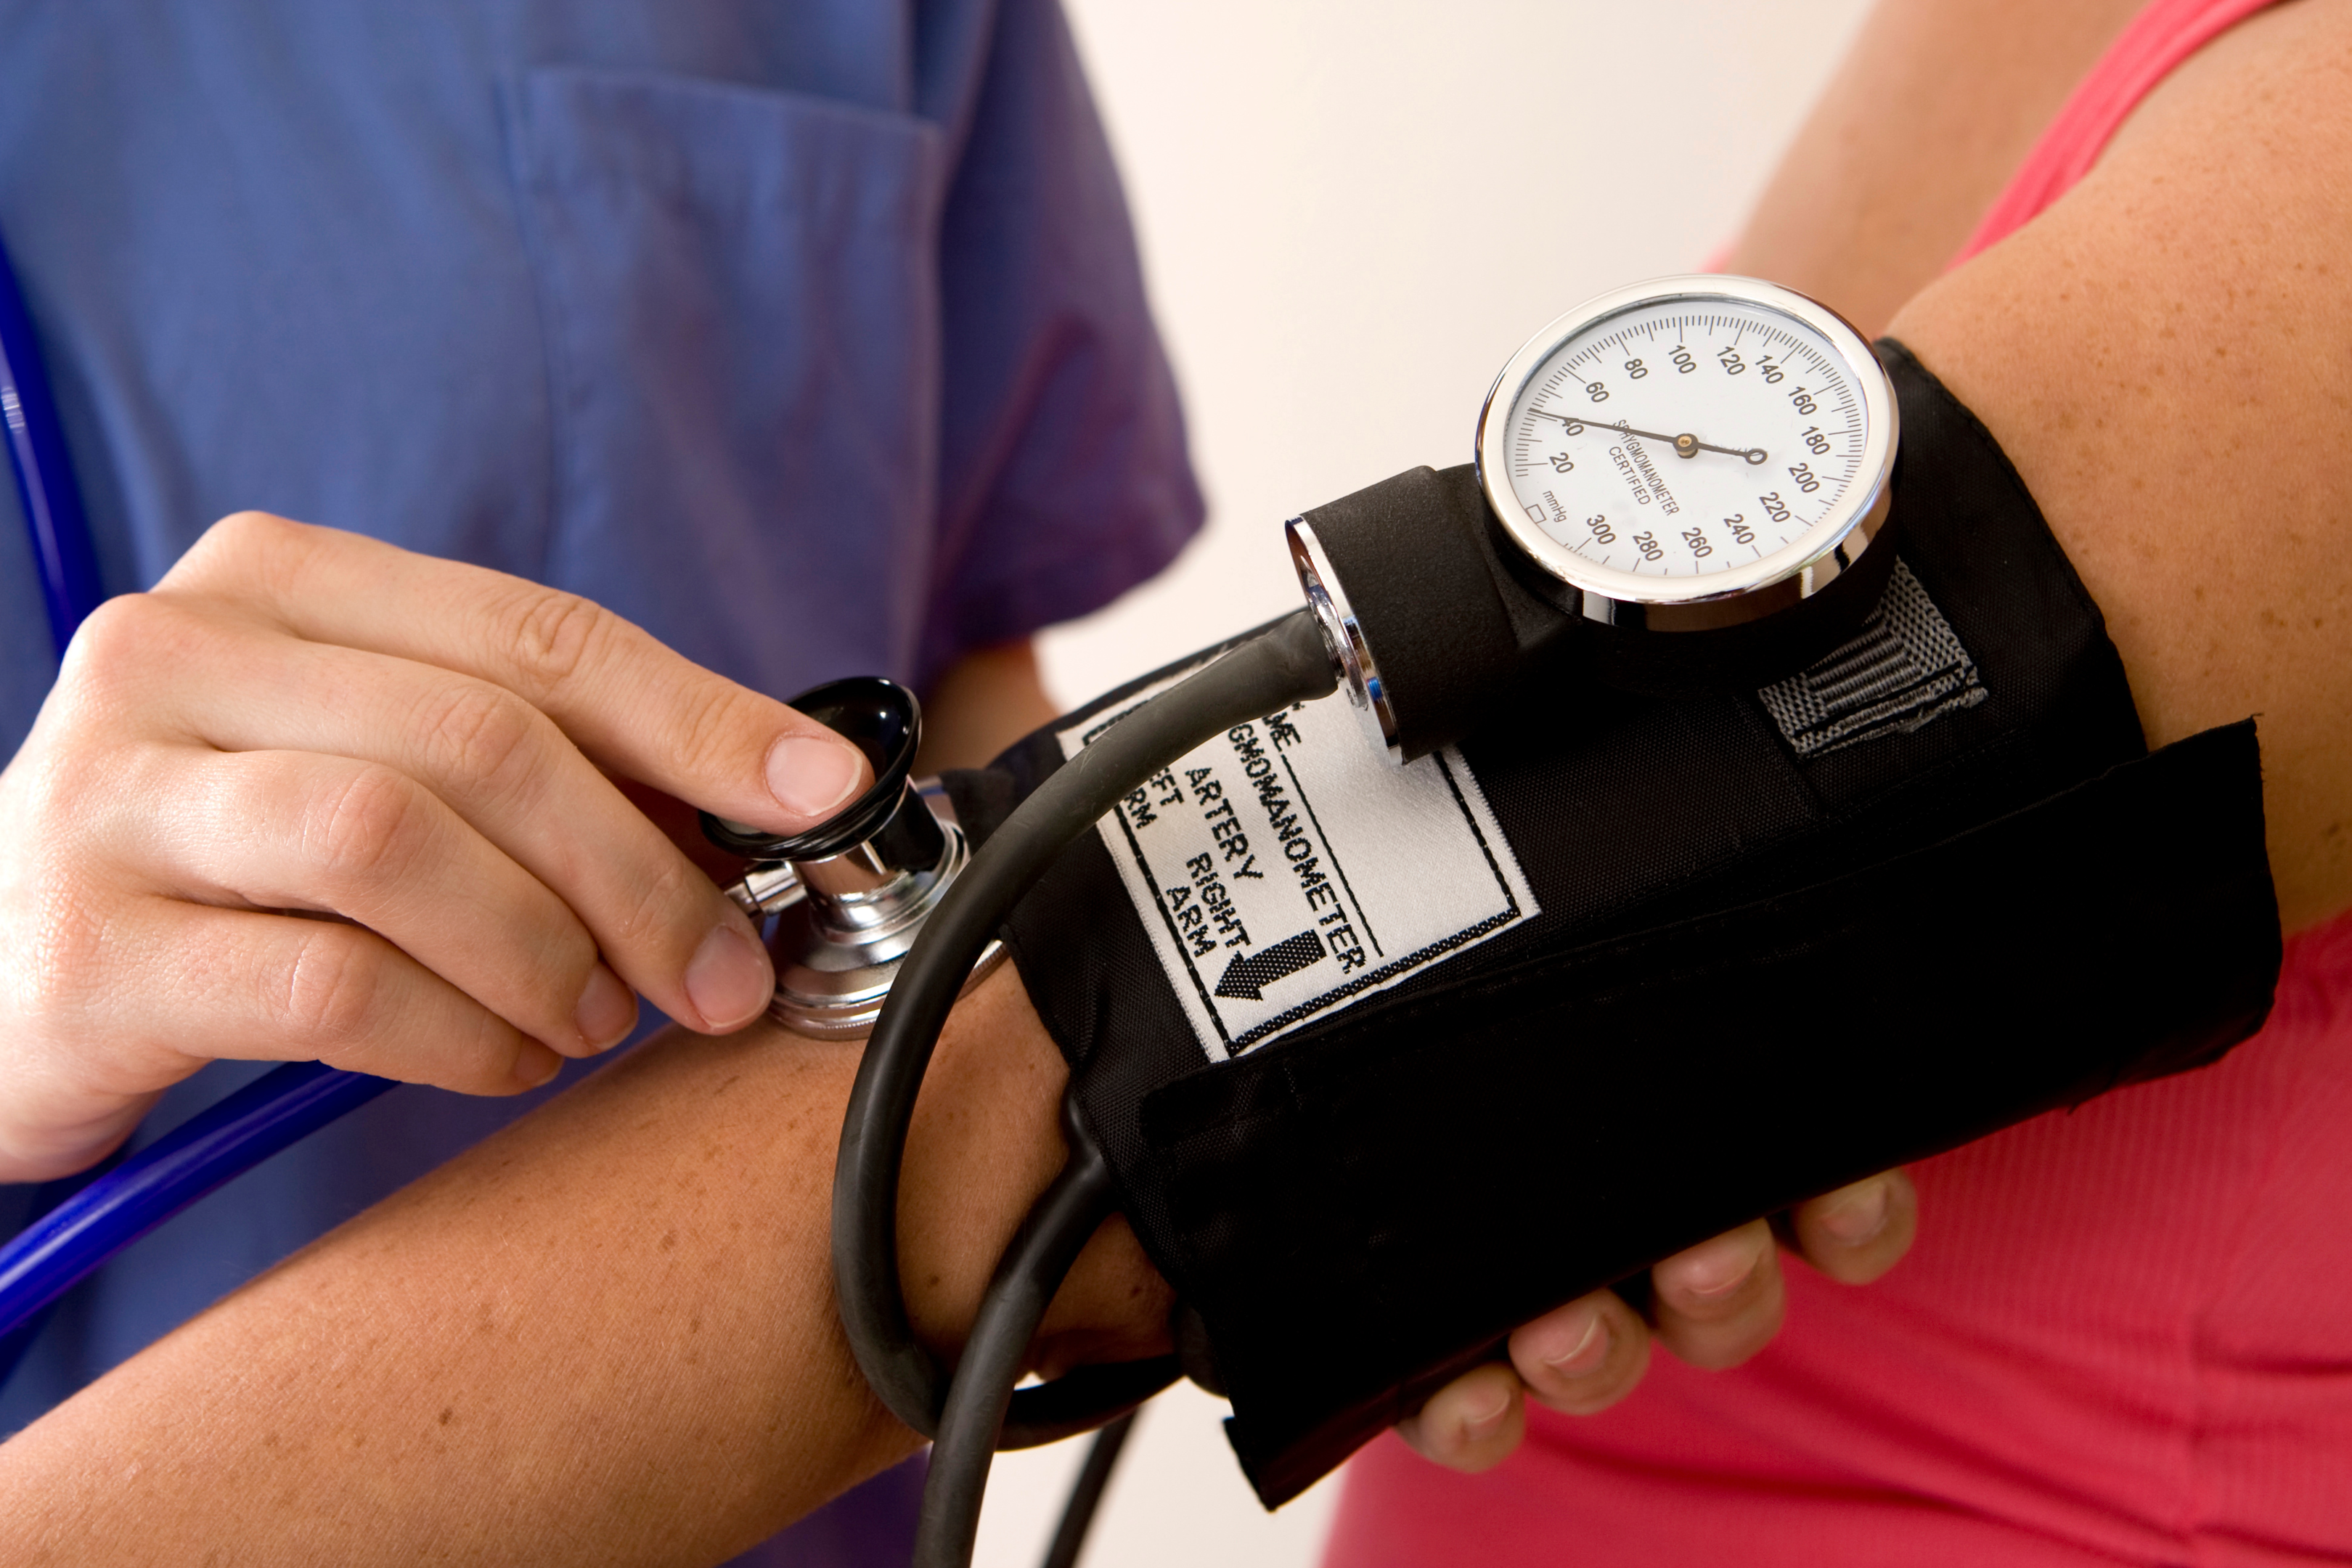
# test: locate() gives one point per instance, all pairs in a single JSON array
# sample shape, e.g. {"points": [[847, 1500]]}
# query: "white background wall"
{"points": [[1351, 214]]}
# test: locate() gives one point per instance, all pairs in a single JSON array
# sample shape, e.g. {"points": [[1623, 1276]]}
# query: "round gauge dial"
{"points": [[1688, 439]]}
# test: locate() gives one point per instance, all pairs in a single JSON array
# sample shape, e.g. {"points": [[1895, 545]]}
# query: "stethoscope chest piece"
{"points": [[848, 897]]}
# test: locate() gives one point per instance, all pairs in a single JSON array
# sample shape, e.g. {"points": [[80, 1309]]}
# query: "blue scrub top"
{"points": [[808, 334]]}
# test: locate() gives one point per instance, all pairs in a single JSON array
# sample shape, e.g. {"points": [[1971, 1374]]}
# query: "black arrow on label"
{"points": [[1248, 976]]}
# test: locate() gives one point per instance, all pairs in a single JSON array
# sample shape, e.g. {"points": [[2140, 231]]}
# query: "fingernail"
{"points": [[729, 980], [606, 1012], [814, 777], [1719, 1274], [1483, 1423], [1858, 1216], [1585, 1347], [535, 1065]]}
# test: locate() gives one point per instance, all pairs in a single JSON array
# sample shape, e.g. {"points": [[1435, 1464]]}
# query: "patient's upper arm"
{"points": [[2166, 354]]}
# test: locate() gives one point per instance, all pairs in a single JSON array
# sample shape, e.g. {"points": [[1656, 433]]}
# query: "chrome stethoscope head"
{"points": [[843, 901]]}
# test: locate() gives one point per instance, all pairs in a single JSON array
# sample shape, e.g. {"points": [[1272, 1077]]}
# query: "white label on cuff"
{"points": [[1286, 869]]}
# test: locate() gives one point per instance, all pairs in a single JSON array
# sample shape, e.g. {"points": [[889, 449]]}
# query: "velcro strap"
{"points": [[1903, 668]]}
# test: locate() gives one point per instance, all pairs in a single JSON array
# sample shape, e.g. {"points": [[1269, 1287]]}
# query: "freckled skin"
{"points": [[2166, 355], [2225, 569]]}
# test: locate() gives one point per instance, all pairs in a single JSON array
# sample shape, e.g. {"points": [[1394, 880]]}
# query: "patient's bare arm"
{"points": [[607, 1334], [2167, 356]]}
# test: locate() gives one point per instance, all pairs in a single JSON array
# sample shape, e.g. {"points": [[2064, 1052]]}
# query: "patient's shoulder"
{"points": [[2166, 354]]}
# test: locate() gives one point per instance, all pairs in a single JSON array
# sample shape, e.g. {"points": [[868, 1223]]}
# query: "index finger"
{"points": [[631, 704]]}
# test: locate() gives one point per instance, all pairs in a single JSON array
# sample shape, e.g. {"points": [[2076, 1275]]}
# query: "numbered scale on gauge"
{"points": [[1690, 441]]}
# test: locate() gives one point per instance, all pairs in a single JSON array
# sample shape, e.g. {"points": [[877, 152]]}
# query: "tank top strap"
{"points": [[2167, 33]]}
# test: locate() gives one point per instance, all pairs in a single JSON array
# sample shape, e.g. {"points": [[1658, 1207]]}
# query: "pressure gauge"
{"points": [[1690, 453], [1677, 491]]}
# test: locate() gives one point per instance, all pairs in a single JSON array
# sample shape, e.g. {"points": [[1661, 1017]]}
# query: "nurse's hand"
{"points": [[1713, 1306], [318, 797]]}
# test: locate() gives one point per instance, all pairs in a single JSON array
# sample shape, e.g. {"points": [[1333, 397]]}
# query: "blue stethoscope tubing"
{"points": [[83, 1221], [37, 451]]}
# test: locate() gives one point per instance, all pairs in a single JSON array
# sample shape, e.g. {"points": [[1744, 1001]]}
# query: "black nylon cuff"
{"points": [[1797, 960]]}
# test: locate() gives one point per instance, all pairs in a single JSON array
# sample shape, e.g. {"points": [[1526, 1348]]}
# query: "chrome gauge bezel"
{"points": [[1798, 569]]}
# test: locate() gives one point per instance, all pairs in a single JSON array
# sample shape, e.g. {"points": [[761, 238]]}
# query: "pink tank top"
{"points": [[2125, 1333]]}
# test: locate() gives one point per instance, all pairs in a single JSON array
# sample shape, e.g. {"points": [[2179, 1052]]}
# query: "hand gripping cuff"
{"points": [[1765, 943]]}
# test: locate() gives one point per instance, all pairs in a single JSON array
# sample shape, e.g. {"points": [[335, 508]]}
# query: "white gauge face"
{"points": [[1687, 439]]}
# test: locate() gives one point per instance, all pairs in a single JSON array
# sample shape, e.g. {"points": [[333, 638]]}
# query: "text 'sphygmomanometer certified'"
{"points": [[1286, 869]]}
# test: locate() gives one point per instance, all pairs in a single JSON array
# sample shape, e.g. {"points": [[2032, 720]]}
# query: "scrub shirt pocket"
{"points": [[740, 300]]}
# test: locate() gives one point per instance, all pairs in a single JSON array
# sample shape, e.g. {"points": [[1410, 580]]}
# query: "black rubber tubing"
{"points": [[1086, 1492], [1031, 1271], [1288, 662]]}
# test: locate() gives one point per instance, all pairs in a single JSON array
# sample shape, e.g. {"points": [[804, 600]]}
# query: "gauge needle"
{"points": [[1684, 445]]}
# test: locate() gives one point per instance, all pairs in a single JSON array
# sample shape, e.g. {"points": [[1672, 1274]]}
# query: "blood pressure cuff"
{"points": [[1388, 1061]]}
